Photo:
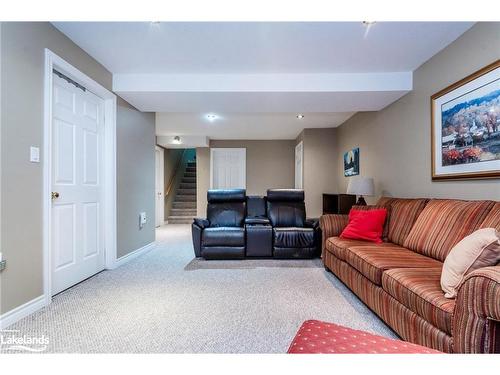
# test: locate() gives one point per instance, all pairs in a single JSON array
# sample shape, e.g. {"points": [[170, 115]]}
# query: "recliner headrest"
{"points": [[289, 195], [226, 195]]}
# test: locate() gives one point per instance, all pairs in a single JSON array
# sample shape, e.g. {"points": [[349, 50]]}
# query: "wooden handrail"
{"points": [[172, 178]]}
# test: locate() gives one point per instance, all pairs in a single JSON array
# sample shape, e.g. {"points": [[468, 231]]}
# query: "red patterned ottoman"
{"points": [[316, 337]]}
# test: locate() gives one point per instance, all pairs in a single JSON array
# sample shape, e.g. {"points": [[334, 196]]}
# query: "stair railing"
{"points": [[174, 173]]}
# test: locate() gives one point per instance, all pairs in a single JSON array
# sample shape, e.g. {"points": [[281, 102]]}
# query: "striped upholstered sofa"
{"points": [[399, 279]]}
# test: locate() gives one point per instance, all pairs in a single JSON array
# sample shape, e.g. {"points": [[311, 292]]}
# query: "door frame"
{"points": [[243, 151], [162, 184], [299, 149], [109, 164]]}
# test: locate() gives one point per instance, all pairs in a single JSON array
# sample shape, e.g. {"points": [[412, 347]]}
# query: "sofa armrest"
{"points": [[331, 226], [202, 223], [476, 320]]}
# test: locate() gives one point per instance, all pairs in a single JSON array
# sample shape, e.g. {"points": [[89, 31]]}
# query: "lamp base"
{"points": [[361, 201]]}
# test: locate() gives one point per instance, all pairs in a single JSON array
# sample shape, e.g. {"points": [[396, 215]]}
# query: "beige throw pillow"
{"points": [[477, 250]]}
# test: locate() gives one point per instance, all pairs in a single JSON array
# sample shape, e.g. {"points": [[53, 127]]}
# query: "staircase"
{"points": [[184, 206]]}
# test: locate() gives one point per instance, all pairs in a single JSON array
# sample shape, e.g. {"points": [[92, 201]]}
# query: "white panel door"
{"points": [[228, 168], [160, 201], [77, 238], [299, 165]]}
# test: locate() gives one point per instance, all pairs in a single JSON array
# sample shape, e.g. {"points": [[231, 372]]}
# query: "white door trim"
{"points": [[299, 173], [53, 61], [244, 160], [161, 188]]}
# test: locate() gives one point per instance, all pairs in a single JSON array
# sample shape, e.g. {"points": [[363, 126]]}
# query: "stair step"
{"points": [[184, 205], [186, 191], [180, 219], [183, 212], [189, 174], [188, 180], [187, 185], [190, 170], [185, 198], [191, 164]]}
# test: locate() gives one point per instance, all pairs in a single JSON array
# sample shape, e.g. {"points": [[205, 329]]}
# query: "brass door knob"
{"points": [[55, 195]]}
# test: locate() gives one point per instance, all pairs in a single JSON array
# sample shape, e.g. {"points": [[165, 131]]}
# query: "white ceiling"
{"points": [[244, 125], [258, 76], [261, 47]]}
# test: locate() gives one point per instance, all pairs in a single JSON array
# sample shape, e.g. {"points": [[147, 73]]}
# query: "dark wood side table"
{"points": [[338, 203]]}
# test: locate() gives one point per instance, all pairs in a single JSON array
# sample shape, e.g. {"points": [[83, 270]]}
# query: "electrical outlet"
{"points": [[142, 219]]}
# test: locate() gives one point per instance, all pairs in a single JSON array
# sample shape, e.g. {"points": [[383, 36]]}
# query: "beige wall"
{"points": [[22, 49], [202, 179], [395, 142], [135, 167], [270, 164], [320, 173]]}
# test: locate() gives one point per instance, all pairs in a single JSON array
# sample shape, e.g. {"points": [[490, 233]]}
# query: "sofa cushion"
{"points": [[223, 236], [338, 246], [293, 237], [385, 201], [419, 290], [492, 220], [443, 223], [372, 261], [404, 213]]}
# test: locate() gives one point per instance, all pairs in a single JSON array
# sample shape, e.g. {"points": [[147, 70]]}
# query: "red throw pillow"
{"points": [[365, 225]]}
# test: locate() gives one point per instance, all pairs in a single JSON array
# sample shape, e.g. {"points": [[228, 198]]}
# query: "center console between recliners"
{"points": [[258, 229], [238, 226]]}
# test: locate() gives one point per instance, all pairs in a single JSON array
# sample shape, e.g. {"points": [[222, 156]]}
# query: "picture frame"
{"points": [[351, 162], [465, 127]]}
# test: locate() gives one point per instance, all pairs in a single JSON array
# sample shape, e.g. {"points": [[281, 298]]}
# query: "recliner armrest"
{"points": [[202, 223], [257, 221], [311, 223]]}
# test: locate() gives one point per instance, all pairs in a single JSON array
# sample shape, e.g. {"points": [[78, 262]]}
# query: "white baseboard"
{"points": [[134, 254], [16, 314]]}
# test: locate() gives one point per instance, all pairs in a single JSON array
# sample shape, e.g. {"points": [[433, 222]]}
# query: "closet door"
{"points": [[228, 168]]}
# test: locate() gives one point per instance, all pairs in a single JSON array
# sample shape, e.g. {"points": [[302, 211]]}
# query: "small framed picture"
{"points": [[351, 162], [465, 127]]}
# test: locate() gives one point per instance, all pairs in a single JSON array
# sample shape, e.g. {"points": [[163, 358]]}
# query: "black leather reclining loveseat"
{"points": [[238, 226]]}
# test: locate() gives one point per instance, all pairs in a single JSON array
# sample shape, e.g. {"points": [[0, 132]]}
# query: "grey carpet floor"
{"points": [[167, 302]]}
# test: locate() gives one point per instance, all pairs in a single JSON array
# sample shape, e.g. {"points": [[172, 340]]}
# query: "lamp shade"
{"points": [[361, 186]]}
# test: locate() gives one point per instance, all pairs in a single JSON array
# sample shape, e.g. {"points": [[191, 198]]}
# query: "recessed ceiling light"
{"points": [[368, 23], [300, 116], [177, 140], [212, 117]]}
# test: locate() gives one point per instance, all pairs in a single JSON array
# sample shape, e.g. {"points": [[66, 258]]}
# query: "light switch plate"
{"points": [[35, 154]]}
